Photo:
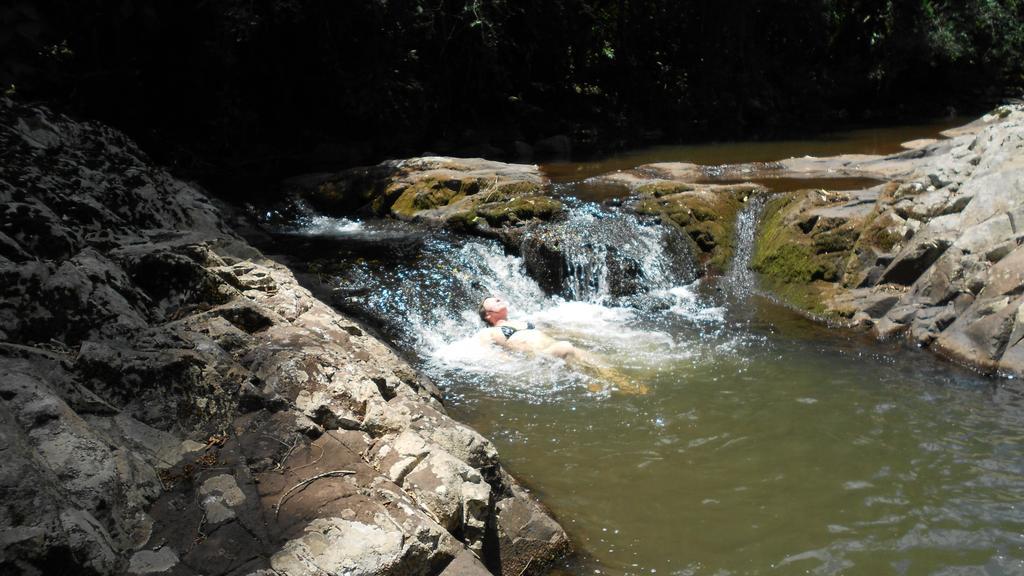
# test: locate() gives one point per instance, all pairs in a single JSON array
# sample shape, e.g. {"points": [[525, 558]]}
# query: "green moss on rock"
{"points": [[838, 240], [707, 217], [881, 232], [519, 209], [515, 188], [786, 260], [802, 265], [431, 193], [660, 188]]}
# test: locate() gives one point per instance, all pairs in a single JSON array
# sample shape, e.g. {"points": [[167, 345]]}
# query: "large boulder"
{"points": [[464, 193], [806, 240], [172, 402], [706, 213], [933, 254]]}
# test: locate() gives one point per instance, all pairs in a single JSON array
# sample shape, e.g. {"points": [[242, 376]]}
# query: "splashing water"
{"points": [[740, 279], [326, 226], [766, 445], [426, 299], [297, 217], [598, 256]]}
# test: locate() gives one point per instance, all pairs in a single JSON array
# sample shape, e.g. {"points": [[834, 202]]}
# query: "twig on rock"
{"points": [[291, 448], [318, 459], [307, 482], [200, 534], [287, 455], [282, 442]]}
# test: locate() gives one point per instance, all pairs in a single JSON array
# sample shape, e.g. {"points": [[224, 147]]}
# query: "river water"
{"points": [[761, 443]]}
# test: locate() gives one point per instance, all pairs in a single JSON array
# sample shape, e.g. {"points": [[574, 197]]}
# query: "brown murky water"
{"points": [[768, 444], [866, 141]]}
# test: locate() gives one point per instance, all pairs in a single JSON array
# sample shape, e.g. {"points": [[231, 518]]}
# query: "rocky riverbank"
{"points": [[174, 402], [933, 253]]}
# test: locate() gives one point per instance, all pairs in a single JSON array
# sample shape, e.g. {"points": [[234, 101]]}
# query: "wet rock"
{"points": [[928, 323], [466, 564], [515, 211], [596, 253], [885, 328], [464, 193], [873, 303], [934, 234], [706, 213], [529, 541], [797, 261], [982, 335]]}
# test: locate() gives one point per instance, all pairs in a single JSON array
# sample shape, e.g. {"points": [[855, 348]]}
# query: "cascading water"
{"points": [[766, 444], [610, 283], [596, 255], [740, 279]]}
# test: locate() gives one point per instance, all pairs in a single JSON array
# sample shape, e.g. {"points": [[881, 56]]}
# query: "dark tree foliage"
{"points": [[273, 85]]}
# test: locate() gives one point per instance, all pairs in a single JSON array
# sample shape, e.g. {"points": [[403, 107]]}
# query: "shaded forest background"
{"points": [[261, 88]]}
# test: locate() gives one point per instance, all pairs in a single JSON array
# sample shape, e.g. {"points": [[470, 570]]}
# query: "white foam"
{"points": [[326, 226], [687, 304]]}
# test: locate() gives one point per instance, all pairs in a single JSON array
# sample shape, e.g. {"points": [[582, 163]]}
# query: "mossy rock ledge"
{"points": [[462, 193], [706, 213], [934, 255]]}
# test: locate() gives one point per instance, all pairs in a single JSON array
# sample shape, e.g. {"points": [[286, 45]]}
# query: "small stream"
{"points": [[765, 444]]}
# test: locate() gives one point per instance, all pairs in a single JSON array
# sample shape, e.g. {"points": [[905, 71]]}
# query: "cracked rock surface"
{"points": [[173, 402], [933, 253]]}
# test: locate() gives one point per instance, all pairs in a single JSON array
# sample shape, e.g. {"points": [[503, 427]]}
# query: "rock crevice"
{"points": [[173, 402]]}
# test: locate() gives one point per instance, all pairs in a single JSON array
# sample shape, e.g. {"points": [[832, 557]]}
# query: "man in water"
{"points": [[521, 336]]}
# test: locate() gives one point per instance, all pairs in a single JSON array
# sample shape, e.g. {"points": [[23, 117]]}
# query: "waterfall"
{"points": [[607, 280], [740, 279], [414, 282], [597, 255]]}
